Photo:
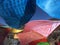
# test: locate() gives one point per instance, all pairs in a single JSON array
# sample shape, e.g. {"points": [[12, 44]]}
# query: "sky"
{"points": [[40, 15]]}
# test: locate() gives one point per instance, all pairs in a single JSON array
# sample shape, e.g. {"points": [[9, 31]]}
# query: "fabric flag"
{"points": [[37, 31], [30, 38], [51, 7], [43, 43], [43, 27], [17, 12]]}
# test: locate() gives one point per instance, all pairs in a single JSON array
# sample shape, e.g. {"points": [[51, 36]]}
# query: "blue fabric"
{"points": [[51, 7], [12, 11]]}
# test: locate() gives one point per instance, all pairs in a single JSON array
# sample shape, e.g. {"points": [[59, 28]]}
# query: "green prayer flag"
{"points": [[43, 43]]}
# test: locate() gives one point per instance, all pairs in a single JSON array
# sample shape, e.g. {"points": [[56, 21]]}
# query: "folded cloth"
{"points": [[43, 27], [37, 30], [51, 7], [17, 12]]}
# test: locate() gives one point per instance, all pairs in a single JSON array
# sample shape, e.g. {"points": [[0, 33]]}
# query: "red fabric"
{"points": [[37, 30], [43, 27], [26, 38], [37, 41]]}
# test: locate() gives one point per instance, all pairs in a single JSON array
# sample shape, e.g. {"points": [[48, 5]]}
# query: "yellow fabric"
{"points": [[16, 30]]}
